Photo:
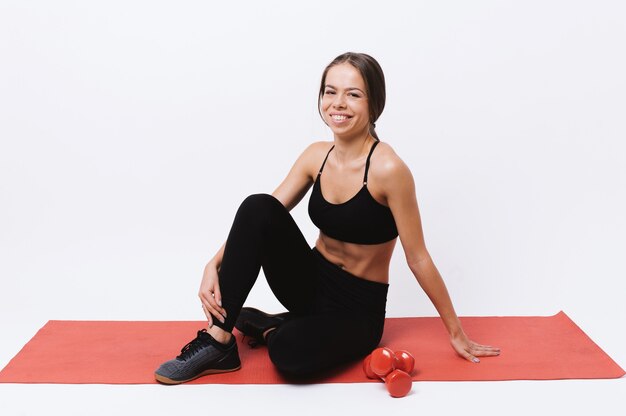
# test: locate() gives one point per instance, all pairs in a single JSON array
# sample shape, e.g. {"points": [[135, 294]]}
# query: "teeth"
{"points": [[339, 118]]}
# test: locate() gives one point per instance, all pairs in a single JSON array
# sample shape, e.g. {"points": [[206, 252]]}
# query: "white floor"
{"points": [[601, 397]]}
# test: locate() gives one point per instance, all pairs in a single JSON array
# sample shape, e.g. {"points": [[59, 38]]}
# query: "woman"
{"points": [[363, 198]]}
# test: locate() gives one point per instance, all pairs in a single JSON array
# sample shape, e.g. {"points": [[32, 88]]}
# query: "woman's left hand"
{"points": [[470, 350]]}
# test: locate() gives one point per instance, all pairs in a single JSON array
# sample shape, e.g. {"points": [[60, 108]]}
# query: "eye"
{"points": [[329, 92], [354, 94]]}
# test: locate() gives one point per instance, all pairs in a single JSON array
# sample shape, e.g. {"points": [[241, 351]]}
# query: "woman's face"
{"points": [[344, 102]]}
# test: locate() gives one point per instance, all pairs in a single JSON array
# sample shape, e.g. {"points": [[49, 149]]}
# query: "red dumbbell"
{"points": [[383, 361], [367, 368], [404, 361], [398, 383], [381, 364]]}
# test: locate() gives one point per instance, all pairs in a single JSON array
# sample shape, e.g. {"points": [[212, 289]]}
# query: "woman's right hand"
{"points": [[210, 295]]}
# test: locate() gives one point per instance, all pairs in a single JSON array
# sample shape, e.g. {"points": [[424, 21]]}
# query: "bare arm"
{"points": [[401, 198], [293, 188], [403, 203], [301, 176]]}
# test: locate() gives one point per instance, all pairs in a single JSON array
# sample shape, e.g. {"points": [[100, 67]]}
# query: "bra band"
{"points": [[367, 163], [322, 167]]}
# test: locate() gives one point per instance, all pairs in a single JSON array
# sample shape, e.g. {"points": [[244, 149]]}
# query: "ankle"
{"points": [[219, 334]]}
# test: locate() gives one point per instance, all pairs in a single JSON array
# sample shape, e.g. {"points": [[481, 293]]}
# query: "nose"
{"points": [[339, 101]]}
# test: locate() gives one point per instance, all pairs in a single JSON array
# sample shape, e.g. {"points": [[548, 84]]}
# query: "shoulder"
{"points": [[394, 180], [387, 167], [312, 157], [315, 152], [316, 148]]}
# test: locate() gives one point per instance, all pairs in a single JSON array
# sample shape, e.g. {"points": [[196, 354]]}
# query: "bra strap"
{"points": [[322, 168], [367, 163]]}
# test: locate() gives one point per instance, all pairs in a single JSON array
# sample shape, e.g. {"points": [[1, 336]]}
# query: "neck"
{"points": [[348, 149]]}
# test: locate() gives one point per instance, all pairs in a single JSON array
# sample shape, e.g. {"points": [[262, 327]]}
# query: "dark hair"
{"points": [[374, 80]]}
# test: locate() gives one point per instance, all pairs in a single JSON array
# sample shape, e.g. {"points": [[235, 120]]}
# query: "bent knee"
{"points": [[259, 207], [259, 203]]}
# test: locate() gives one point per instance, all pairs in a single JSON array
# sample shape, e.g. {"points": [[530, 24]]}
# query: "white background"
{"points": [[130, 131]]}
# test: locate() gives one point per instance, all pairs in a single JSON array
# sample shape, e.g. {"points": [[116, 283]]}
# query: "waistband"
{"points": [[343, 290]]}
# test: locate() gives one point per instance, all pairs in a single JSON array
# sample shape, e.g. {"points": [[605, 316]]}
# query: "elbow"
{"points": [[421, 266], [418, 259]]}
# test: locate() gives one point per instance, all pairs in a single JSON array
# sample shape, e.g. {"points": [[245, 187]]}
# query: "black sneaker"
{"points": [[202, 356], [253, 323]]}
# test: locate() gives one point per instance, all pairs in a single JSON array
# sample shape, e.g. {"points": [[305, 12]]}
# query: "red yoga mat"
{"points": [[125, 352]]}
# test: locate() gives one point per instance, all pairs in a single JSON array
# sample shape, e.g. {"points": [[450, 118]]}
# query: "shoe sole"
{"points": [[165, 380]]}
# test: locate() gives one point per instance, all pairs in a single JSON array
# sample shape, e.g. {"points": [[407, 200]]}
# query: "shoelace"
{"points": [[192, 347]]}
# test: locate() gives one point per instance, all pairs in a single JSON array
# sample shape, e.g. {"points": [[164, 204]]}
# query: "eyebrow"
{"points": [[347, 89]]}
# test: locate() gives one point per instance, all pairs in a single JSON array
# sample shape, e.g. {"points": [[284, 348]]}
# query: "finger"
{"points": [[469, 357], [214, 309], [219, 312], [209, 308], [205, 310], [483, 351], [208, 316], [475, 352], [485, 348], [215, 300], [488, 353], [217, 295], [481, 346], [209, 301]]}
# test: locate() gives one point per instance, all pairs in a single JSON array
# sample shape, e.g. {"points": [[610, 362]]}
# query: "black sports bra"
{"points": [[360, 220]]}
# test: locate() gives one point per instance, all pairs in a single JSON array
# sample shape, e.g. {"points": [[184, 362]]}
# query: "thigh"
{"points": [[289, 265], [311, 344], [265, 235]]}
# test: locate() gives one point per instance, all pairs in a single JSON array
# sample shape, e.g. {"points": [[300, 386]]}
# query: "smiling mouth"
{"points": [[339, 117]]}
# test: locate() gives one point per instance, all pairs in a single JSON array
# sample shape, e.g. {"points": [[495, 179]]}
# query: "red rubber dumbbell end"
{"points": [[398, 383], [367, 367], [405, 361], [382, 361]]}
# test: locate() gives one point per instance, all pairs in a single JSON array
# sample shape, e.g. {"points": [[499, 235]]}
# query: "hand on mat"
{"points": [[210, 295], [470, 350]]}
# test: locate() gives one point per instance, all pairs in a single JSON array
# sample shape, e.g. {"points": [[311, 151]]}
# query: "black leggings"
{"points": [[338, 317]]}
